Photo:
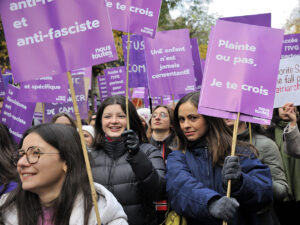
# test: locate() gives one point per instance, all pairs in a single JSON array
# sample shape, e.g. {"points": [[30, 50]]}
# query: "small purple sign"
{"points": [[134, 16], [2, 86], [116, 80], [198, 71], [102, 84], [45, 89], [7, 78], [257, 19], [137, 62], [291, 45], [16, 115], [51, 37], [53, 108], [139, 92], [241, 69], [169, 61]]}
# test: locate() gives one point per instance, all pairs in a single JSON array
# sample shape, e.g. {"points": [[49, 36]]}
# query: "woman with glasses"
{"points": [[197, 176], [8, 172], [162, 135], [123, 162], [54, 187]]}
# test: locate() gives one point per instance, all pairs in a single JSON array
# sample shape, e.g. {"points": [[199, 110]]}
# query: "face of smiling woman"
{"points": [[44, 176], [192, 124], [114, 121]]}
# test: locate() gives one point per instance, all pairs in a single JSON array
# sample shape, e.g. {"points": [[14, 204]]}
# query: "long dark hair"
{"points": [[218, 134], [8, 171], [67, 141], [134, 119]]}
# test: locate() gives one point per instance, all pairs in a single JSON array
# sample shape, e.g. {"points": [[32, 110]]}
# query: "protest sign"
{"points": [[291, 45], [288, 82], [138, 92], [52, 109], [7, 78], [102, 84], [16, 115], [198, 71], [44, 40], [137, 63], [116, 80], [134, 16], [240, 73], [169, 61], [257, 19], [46, 89], [2, 86]]}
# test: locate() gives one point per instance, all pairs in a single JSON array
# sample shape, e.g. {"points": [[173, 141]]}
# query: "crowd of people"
{"points": [[153, 162]]}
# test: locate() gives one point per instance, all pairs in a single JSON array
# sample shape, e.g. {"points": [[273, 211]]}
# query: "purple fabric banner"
{"points": [[116, 80], [2, 86], [16, 115], [53, 108], [134, 16], [291, 45], [241, 71], [137, 62], [46, 89], [51, 37], [198, 71], [258, 19], [102, 84], [169, 61]]}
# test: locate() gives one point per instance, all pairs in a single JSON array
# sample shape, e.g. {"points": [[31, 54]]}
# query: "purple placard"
{"points": [[241, 71], [53, 108], [16, 115], [167, 100], [2, 87], [134, 16], [169, 61], [233, 116], [156, 101], [38, 116], [85, 72], [291, 45], [257, 19], [139, 92], [102, 84], [137, 62], [116, 80], [51, 37], [7, 78], [198, 71], [45, 89]]}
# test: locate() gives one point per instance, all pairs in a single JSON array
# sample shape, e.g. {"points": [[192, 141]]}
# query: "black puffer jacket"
{"points": [[135, 181]]}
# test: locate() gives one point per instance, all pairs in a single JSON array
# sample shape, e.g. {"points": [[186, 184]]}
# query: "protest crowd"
{"points": [[170, 139]]}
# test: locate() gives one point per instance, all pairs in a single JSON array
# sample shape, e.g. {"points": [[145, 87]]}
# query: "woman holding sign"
{"points": [[197, 176], [122, 161], [54, 187]]}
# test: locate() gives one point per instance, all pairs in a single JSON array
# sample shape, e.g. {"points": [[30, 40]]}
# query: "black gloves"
{"points": [[232, 171], [131, 141], [223, 208]]}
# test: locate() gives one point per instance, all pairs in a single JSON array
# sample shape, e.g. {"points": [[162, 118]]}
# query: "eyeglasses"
{"points": [[162, 115], [33, 154]]}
